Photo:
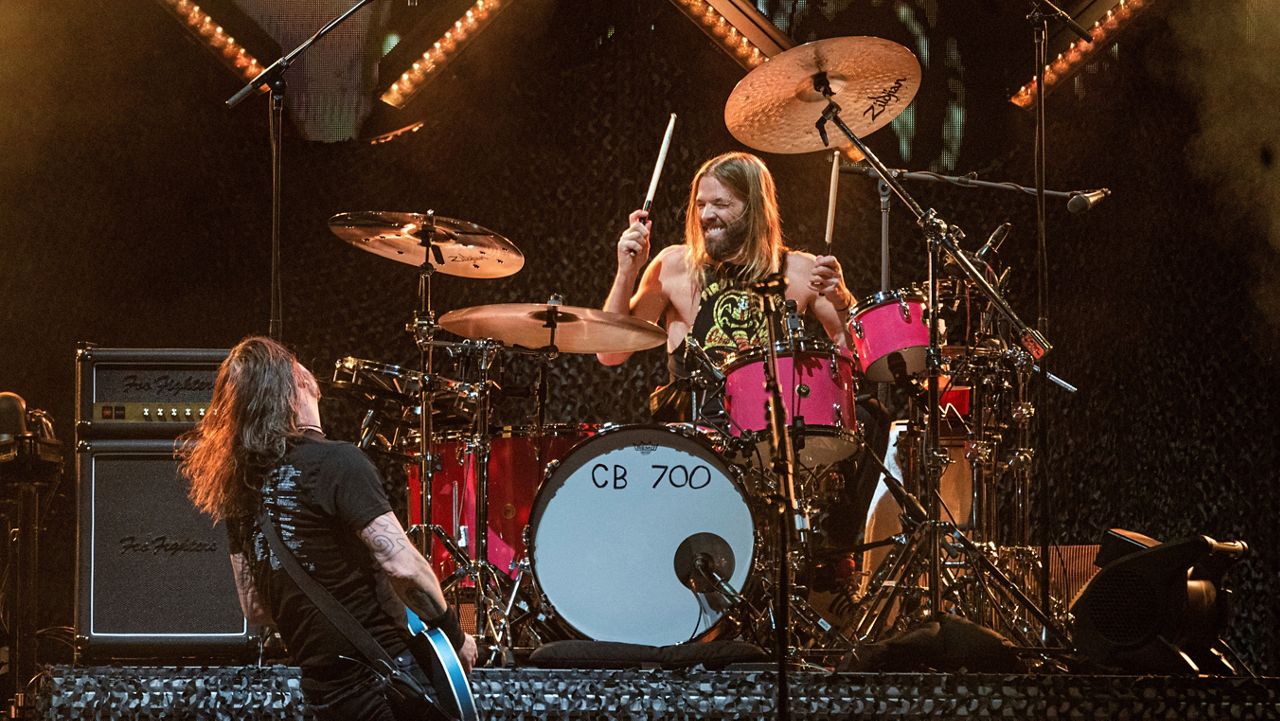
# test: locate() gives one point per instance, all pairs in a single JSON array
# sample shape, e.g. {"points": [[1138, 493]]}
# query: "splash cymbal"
{"points": [[775, 108], [457, 247]]}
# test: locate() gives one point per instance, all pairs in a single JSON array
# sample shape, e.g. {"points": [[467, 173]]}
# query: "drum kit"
{"points": [[662, 534]]}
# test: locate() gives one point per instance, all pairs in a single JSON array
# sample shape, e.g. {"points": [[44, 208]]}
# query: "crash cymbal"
{"points": [[577, 330], [776, 106], [458, 247]]}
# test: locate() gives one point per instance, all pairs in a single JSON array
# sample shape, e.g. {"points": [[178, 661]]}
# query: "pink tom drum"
{"points": [[890, 335], [817, 382]]}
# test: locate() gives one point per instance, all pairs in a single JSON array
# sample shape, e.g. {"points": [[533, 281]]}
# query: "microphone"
{"points": [[995, 241], [694, 348], [1080, 202], [795, 327]]}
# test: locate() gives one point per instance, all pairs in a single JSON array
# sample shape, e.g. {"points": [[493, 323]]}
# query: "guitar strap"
{"points": [[338, 614]]}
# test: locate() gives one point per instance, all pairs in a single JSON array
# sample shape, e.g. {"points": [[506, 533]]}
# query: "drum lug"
{"points": [[857, 328], [837, 418], [904, 309]]}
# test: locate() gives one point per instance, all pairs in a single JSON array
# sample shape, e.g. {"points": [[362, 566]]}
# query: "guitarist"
{"points": [[261, 446]]}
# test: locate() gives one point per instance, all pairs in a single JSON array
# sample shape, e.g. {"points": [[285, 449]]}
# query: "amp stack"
{"points": [[153, 580]]}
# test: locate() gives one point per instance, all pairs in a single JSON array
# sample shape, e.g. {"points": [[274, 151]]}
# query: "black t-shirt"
{"points": [[319, 497]]}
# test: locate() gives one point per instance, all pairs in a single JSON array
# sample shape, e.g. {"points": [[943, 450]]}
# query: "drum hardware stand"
{"points": [[488, 579], [273, 77], [772, 292], [423, 328], [941, 238]]}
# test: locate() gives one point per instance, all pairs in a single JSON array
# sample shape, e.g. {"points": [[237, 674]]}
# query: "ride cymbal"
{"points": [[457, 247], [576, 330], [775, 108]]}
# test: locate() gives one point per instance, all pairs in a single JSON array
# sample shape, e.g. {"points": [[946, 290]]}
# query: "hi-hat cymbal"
{"points": [[458, 247], [577, 330], [776, 106]]}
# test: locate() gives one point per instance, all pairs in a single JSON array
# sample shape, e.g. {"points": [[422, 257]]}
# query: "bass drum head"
{"points": [[615, 519]]}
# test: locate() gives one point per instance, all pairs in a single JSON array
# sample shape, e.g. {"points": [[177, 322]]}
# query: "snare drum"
{"points": [[618, 523], [517, 457], [890, 335], [817, 384]]}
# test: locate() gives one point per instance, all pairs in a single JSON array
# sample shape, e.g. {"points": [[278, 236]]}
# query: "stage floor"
{"points": [[272, 692]]}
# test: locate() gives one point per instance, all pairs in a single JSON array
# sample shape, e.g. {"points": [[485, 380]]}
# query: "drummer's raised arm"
{"points": [[648, 301]]}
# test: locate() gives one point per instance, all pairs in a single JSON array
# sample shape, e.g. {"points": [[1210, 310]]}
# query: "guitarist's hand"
{"points": [[468, 654]]}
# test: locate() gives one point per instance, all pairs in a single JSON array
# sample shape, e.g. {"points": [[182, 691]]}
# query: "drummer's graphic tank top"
{"points": [[730, 319], [729, 316]]}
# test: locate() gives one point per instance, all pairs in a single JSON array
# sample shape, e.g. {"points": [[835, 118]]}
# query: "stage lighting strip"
{"points": [[718, 27], [206, 30], [1079, 52], [436, 56]]}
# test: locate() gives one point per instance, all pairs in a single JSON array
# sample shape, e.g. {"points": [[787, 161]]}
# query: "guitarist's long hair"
{"points": [[253, 416]]}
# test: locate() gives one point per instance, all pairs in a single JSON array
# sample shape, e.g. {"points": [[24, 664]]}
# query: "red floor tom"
{"points": [[517, 459]]}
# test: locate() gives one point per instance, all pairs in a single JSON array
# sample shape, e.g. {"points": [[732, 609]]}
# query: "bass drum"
{"points": [[618, 524]]}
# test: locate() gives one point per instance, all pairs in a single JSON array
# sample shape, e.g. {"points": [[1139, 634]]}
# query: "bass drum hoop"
{"points": [[610, 436]]}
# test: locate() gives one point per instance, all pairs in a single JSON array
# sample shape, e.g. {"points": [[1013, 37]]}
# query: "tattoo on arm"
{"points": [[384, 537]]}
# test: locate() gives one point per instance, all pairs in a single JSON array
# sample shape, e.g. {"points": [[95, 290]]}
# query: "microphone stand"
{"points": [[772, 291], [273, 77], [964, 181], [1041, 12]]}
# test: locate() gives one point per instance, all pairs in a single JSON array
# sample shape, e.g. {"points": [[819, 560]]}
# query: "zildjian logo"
{"points": [[879, 102]]}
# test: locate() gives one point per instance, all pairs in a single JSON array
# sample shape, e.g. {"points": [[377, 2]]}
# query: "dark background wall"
{"points": [[134, 212]]}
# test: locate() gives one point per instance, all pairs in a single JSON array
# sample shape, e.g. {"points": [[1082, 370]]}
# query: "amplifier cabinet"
{"points": [[153, 576], [142, 392]]}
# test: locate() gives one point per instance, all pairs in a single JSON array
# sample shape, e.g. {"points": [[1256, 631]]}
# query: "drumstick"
{"points": [[662, 159], [657, 169], [831, 199]]}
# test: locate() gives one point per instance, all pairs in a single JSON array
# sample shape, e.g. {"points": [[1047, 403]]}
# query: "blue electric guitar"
{"points": [[445, 671]]}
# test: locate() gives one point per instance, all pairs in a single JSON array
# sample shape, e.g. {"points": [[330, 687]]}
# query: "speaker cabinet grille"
{"points": [[153, 576]]}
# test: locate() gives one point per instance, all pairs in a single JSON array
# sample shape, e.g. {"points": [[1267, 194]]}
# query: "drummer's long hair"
{"points": [[748, 178], [253, 415]]}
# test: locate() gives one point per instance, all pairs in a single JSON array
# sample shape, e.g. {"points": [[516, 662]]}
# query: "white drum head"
{"points": [[608, 525]]}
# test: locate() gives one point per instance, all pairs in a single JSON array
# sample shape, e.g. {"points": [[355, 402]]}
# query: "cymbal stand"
{"points": [[423, 328], [943, 240]]}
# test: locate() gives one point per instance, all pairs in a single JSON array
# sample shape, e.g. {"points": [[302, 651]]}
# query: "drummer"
{"points": [[700, 288]]}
